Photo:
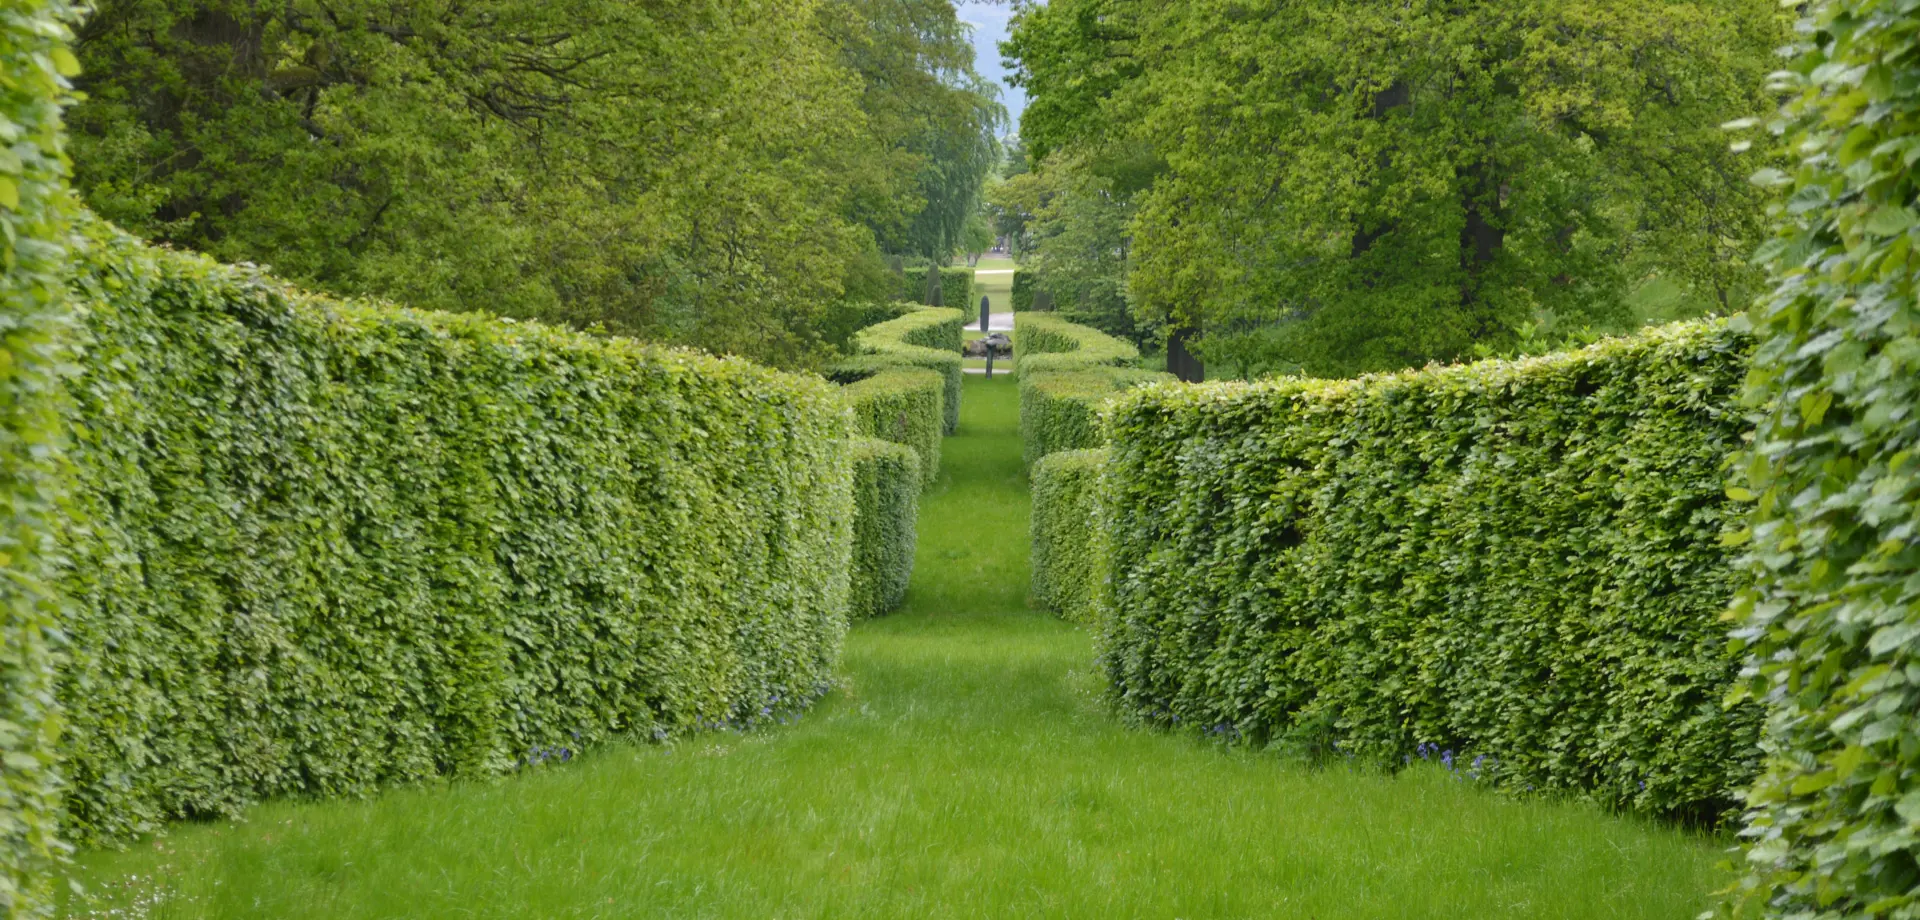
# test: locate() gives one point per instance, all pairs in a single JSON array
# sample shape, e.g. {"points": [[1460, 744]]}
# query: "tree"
{"points": [[977, 237], [679, 170], [1342, 187], [1080, 240], [926, 107]]}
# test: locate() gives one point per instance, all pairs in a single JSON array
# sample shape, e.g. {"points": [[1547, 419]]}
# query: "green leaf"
{"points": [[1890, 220], [64, 62]]}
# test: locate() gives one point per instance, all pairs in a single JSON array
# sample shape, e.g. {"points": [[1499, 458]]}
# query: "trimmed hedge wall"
{"points": [[842, 321], [1068, 372], [1022, 297], [886, 499], [956, 290], [1060, 410], [34, 355], [1067, 564], [1517, 561], [1831, 623], [334, 546], [1045, 342], [905, 405], [929, 338]]}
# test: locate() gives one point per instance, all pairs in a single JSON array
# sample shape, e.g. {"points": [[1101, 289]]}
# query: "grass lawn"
{"points": [[994, 279], [968, 769]]}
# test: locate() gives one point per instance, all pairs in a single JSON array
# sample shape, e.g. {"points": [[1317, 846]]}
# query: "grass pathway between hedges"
{"points": [[967, 770]]}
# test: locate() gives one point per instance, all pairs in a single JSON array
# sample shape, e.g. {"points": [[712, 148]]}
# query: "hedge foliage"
{"points": [[1060, 410], [929, 338], [956, 289], [1068, 372], [1022, 297], [886, 499], [843, 320], [905, 405], [1045, 342], [957, 292], [1520, 562], [35, 335], [1831, 623], [1067, 563], [334, 546]]}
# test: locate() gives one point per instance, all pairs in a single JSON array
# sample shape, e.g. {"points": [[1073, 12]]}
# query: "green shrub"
{"points": [[1067, 373], [34, 352], [928, 338], [886, 499], [335, 546], [1066, 536], [1831, 622], [957, 291], [1060, 410], [1046, 342], [844, 319], [1022, 296], [905, 405], [1517, 562]]}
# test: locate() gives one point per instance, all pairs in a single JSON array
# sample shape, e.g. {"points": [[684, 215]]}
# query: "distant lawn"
{"points": [[995, 285], [968, 769]]}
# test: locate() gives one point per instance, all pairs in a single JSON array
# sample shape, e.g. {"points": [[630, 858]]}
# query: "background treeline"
{"points": [[1334, 188], [706, 172]]}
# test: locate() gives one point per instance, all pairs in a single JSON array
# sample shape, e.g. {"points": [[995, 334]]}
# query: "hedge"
{"points": [[34, 214], [1022, 297], [334, 546], [841, 321], [1060, 410], [1831, 622], [957, 292], [886, 492], [1065, 534], [1046, 342], [956, 289], [1067, 373], [905, 405], [1519, 562], [928, 338]]}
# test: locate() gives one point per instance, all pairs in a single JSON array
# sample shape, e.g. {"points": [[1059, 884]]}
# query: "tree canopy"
{"points": [[1333, 188], [709, 172]]}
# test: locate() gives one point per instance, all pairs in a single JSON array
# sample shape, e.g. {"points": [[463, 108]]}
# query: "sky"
{"points": [[989, 21]]}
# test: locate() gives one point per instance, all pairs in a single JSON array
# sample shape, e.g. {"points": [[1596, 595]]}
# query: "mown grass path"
{"points": [[967, 770]]}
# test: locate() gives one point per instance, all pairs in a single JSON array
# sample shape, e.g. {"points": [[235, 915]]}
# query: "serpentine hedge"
{"points": [[928, 337], [34, 216], [1520, 562], [1045, 342], [332, 546], [904, 405], [1060, 410], [886, 490], [1066, 531], [1831, 621], [1067, 373]]}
